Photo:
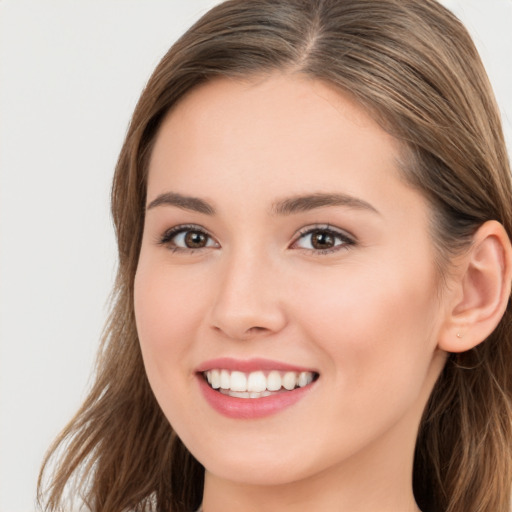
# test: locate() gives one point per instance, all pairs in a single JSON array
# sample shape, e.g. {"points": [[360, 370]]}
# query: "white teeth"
{"points": [[215, 379], [274, 381], [259, 395], [244, 394], [224, 379], [238, 381], [238, 394], [256, 384], [305, 378], [289, 380]]}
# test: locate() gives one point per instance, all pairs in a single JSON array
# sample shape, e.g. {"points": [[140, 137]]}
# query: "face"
{"points": [[285, 261]]}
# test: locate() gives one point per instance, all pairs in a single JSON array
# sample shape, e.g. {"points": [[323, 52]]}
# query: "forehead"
{"points": [[293, 125], [270, 93]]}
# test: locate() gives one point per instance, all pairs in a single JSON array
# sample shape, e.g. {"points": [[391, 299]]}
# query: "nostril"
{"points": [[255, 330]]}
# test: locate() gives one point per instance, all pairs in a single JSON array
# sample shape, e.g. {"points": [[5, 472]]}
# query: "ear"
{"points": [[479, 295]]}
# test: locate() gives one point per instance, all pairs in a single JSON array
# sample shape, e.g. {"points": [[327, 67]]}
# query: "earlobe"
{"points": [[481, 292]]}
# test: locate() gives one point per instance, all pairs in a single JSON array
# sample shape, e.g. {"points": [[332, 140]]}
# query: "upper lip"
{"points": [[250, 365]]}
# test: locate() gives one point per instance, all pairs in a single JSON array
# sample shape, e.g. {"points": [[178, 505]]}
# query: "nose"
{"points": [[248, 302]]}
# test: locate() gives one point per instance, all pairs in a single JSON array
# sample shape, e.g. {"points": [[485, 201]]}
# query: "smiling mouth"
{"points": [[256, 384]]}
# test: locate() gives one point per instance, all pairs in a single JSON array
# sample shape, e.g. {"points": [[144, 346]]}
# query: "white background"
{"points": [[70, 74]]}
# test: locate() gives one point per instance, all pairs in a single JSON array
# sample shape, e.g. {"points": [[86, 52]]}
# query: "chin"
{"points": [[259, 472]]}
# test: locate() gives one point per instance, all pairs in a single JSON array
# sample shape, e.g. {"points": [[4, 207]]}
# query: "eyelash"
{"points": [[347, 240]]}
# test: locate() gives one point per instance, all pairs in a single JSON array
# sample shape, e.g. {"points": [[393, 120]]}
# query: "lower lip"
{"points": [[251, 408]]}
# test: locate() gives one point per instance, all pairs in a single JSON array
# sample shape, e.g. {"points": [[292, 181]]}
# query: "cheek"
{"points": [[166, 312], [166, 306], [374, 334], [378, 328]]}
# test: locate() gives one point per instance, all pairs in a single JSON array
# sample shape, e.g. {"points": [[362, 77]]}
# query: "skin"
{"points": [[366, 316]]}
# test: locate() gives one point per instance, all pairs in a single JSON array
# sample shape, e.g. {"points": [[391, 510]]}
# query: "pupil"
{"points": [[193, 239], [322, 240]]}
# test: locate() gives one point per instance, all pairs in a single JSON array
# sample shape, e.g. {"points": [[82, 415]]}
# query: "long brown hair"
{"points": [[413, 66]]}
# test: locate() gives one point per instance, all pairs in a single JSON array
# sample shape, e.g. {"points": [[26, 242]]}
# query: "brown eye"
{"points": [[195, 239], [322, 240]]}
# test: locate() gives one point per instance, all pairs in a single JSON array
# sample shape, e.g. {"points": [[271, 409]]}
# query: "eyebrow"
{"points": [[319, 200], [184, 202], [288, 206]]}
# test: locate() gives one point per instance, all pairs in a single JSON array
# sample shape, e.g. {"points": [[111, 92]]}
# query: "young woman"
{"points": [[313, 211]]}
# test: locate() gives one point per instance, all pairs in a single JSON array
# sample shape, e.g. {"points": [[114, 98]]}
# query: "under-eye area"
{"points": [[257, 384]]}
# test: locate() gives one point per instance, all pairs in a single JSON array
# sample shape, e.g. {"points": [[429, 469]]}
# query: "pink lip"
{"points": [[251, 408], [249, 365]]}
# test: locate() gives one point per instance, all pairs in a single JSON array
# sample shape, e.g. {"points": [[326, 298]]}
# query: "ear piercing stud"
{"points": [[459, 335]]}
